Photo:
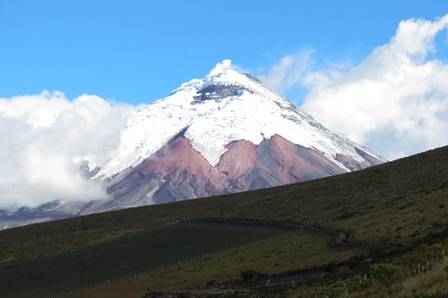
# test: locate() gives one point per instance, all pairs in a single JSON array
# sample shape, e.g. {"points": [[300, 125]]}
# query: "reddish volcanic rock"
{"points": [[177, 154], [290, 163], [239, 160], [179, 172], [349, 162]]}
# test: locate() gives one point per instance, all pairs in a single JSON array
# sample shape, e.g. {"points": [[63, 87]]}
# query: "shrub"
{"points": [[251, 274], [385, 274], [355, 285], [433, 252], [339, 292], [435, 277]]}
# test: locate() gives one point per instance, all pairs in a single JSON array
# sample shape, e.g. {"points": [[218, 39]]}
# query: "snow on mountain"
{"points": [[223, 107]]}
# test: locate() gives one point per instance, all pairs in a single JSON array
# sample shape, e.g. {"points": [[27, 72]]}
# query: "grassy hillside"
{"points": [[344, 225], [125, 257]]}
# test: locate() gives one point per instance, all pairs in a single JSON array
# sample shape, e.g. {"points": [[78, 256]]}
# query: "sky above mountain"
{"points": [[138, 51], [72, 71]]}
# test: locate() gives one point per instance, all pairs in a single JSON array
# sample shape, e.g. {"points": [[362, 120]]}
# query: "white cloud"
{"points": [[395, 101], [45, 136], [289, 72]]}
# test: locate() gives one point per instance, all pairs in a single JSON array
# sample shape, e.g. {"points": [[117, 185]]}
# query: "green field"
{"points": [[394, 213]]}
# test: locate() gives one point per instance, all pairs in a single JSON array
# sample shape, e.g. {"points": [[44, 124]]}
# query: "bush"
{"points": [[385, 274], [355, 285], [251, 275], [339, 292]]}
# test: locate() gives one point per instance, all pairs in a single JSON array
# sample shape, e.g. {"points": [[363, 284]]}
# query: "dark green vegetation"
{"points": [[124, 257], [380, 232]]}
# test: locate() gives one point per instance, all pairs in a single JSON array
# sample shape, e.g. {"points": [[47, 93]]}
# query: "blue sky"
{"points": [[139, 51], [73, 71]]}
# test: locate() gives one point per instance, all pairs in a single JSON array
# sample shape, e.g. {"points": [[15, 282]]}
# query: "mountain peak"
{"points": [[224, 75], [221, 68], [227, 75], [223, 107]]}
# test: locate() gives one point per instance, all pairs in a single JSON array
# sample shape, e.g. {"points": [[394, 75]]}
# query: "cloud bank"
{"points": [[44, 139], [394, 101]]}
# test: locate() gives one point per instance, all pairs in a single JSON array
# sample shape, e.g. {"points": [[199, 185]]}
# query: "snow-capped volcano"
{"points": [[221, 134], [225, 106]]}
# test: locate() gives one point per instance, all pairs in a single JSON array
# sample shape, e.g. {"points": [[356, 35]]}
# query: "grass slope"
{"points": [[124, 257], [388, 210]]}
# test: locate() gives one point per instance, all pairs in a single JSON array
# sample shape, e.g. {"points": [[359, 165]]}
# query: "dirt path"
{"points": [[340, 240]]}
